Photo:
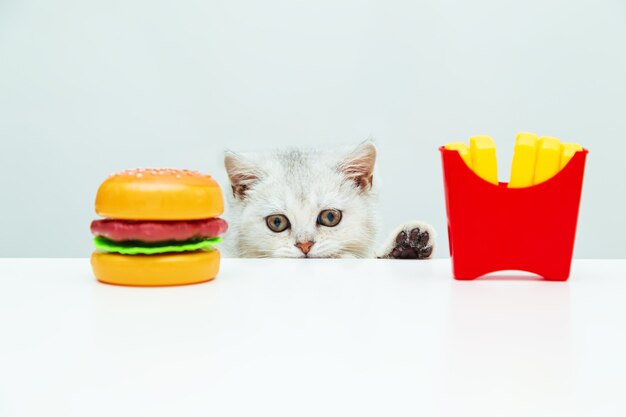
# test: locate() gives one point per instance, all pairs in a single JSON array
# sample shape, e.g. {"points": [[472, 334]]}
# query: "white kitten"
{"points": [[313, 204]]}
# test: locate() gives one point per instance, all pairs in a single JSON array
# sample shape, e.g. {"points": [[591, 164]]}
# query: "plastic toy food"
{"points": [[483, 154], [524, 159], [160, 228], [463, 151], [529, 224], [568, 150], [548, 159]]}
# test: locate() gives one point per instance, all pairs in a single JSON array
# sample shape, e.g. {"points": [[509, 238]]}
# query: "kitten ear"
{"points": [[358, 166], [241, 173]]}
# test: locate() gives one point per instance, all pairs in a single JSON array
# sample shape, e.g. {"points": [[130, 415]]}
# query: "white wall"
{"points": [[91, 87]]}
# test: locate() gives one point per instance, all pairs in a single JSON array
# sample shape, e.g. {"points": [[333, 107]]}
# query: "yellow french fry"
{"points": [[462, 149], [568, 150], [483, 154], [524, 160], [548, 159]]}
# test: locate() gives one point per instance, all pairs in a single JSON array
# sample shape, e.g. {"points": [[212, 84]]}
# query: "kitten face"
{"points": [[292, 189]]}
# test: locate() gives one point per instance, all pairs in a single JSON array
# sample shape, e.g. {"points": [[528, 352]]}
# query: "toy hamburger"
{"points": [[160, 228]]}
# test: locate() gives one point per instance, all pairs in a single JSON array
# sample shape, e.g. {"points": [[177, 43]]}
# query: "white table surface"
{"points": [[313, 338]]}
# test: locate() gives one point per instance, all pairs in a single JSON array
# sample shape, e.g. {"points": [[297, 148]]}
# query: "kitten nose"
{"points": [[305, 247]]}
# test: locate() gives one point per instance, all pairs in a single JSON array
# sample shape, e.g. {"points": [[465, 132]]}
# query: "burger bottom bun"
{"points": [[156, 270]]}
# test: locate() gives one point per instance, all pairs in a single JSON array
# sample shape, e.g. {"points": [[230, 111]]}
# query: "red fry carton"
{"points": [[494, 228]]}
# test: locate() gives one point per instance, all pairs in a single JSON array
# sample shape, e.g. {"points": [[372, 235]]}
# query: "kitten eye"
{"points": [[329, 217], [277, 223]]}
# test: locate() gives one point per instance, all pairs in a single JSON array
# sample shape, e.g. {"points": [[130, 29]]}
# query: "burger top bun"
{"points": [[159, 194]]}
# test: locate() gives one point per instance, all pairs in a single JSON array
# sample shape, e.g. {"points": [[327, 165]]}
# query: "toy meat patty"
{"points": [[160, 228]]}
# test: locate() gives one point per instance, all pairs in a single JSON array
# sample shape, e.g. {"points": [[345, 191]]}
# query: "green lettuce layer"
{"points": [[151, 248]]}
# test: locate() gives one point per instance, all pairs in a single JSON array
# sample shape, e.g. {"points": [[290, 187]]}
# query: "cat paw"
{"points": [[414, 240]]}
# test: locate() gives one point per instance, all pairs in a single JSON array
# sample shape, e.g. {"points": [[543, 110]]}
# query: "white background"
{"points": [[90, 87]]}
